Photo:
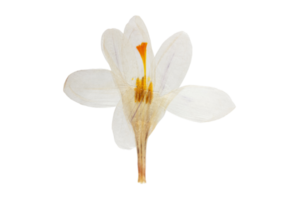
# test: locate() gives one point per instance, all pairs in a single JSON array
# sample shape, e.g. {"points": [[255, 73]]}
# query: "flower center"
{"points": [[143, 93]]}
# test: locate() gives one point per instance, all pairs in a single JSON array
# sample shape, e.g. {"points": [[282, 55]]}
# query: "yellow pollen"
{"points": [[150, 93]]}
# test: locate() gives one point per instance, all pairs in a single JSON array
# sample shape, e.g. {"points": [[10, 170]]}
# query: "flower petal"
{"points": [[136, 32], [200, 104], [94, 88], [111, 43], [173, 60], [122, 129]]}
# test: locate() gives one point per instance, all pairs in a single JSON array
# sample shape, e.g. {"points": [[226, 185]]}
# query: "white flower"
{"points": [[143, 87]]}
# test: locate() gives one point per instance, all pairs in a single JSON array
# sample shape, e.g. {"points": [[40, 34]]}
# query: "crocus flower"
{"points": [[143, 86]]}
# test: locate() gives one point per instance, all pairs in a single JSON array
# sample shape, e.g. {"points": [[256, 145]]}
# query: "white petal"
{"points": [[173, 60], [201, 104], [122, 129], [94, 88], [111, 43], [136, 32]]}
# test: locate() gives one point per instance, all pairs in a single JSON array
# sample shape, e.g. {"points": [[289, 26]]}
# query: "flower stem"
{"points": [[141, 151]]}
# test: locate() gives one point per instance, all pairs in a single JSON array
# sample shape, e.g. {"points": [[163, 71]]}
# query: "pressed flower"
{"points": [[144, 87]]}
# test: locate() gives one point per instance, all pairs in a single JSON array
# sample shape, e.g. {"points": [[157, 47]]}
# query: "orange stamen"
{"points": [[142, 93], [142, 48]]}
